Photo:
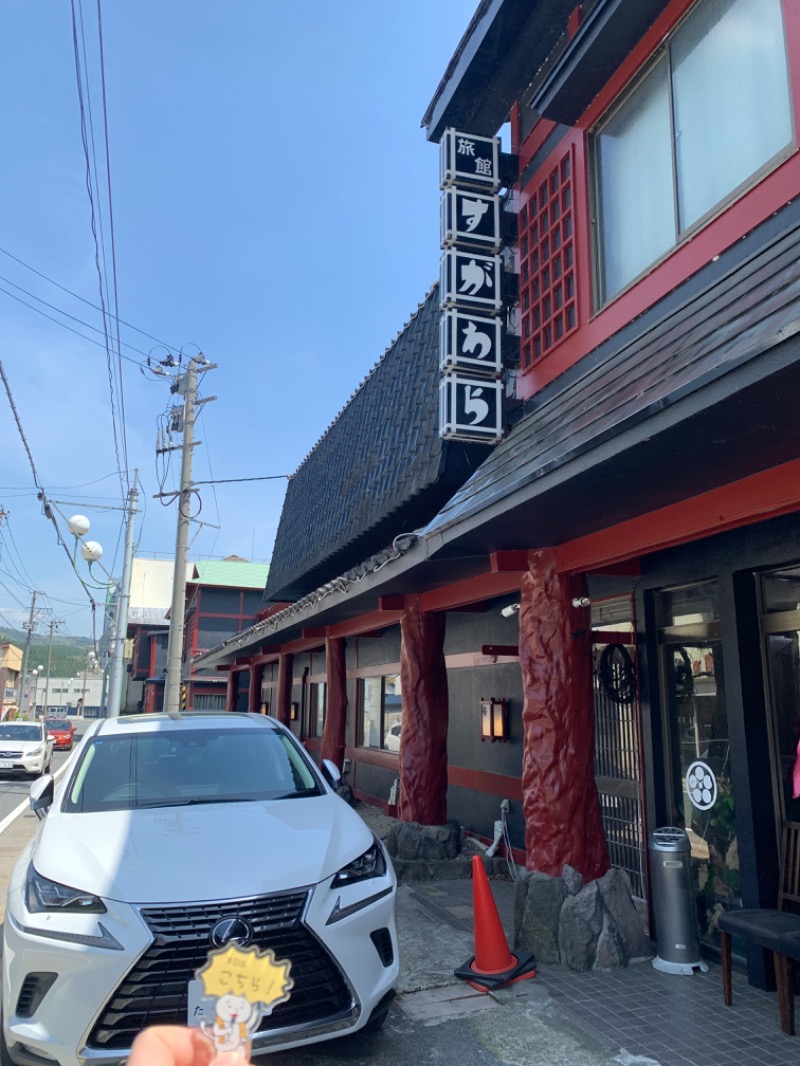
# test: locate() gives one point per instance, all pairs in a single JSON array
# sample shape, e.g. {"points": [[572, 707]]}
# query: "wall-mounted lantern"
{"points": [[293, 711], [494, 719]]}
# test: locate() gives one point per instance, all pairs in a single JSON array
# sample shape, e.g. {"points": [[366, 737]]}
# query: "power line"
{"points": [[88, 303], [83, 336], [66, 314], [96, 224]]}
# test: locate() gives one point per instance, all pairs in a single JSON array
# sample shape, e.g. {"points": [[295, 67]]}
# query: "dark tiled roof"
{"points": [[379, 470], [691, 346]]}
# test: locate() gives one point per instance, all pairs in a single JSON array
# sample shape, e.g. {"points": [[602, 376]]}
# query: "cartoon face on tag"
{"points": [[247, 983]]}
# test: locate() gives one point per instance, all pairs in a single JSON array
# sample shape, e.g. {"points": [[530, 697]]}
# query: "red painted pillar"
{"points": [[560, 799], [254, 691], [333, 735], [283, 694], [423, 740], [230, 691]]}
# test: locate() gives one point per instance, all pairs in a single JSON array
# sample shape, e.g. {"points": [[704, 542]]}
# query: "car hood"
{"points": [[209, 851], [19, 745]]}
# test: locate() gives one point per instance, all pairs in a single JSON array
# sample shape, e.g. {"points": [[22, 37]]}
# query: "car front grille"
{"points": [[11, 754], [155, 990]]}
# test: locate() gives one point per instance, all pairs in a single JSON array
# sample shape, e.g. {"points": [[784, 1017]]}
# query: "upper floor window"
{"points": [[710, 112]]}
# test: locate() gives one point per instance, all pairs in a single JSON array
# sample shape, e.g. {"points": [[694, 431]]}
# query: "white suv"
{"points": [[168, 837]]}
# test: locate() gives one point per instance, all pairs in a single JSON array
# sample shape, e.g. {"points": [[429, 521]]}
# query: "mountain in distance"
{"points": [[67, 654]]}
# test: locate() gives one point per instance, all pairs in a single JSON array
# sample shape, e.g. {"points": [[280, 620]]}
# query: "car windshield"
{"points": [[178, 768], [57, 723], [20, 732]]}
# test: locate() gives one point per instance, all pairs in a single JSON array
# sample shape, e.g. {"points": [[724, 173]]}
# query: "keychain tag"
{"points": [[245, 984]]}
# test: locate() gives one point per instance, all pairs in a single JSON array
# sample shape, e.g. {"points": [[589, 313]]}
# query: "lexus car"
{"points": [[169, 837], [25, 747]]}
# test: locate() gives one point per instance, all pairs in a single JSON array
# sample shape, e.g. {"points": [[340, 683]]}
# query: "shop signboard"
{"points": [[470, 280], [470, 220], [470, 408], [469, 161], [470, 342]]}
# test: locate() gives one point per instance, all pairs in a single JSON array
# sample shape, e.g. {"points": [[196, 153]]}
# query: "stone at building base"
{"points": [[435, 853], [585, 927]]}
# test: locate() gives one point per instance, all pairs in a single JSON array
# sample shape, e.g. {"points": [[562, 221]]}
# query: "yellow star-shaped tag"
{"points": [[256, 975]]}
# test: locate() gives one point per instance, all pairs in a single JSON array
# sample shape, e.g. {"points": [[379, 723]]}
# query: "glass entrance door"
{"points": [[698, 746], [780, 626]]}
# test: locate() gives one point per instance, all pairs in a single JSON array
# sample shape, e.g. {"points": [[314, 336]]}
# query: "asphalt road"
{"points": [[15, 787]]}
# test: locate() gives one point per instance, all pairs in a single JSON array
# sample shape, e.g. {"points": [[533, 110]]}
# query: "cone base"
{"points": [[524, 966]]}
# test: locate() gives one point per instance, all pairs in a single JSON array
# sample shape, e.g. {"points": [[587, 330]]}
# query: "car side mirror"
{"points": [[330, 771], [41, 796]]}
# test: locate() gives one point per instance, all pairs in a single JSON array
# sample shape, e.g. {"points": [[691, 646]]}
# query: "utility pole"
{"points": [[30, 625], [186, 386], [53, 624], [121, 613]]}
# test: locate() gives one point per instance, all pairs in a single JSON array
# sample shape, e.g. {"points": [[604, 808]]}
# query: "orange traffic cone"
{"points": [[493, 965]]}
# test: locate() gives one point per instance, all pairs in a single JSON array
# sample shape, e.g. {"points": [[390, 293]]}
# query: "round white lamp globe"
{"points": [[79, 525], [92, 551]]}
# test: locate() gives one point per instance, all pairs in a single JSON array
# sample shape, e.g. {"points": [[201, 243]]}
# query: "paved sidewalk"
{"points": [[633, 1017]]}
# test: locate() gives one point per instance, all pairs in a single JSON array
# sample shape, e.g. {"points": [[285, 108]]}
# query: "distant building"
{"points": [[10, 668]]}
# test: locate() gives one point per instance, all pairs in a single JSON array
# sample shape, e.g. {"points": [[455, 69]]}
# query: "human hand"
{"points": [[179, 1045]]}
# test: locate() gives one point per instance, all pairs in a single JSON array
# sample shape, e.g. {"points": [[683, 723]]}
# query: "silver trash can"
{"points": [[677, 939]]}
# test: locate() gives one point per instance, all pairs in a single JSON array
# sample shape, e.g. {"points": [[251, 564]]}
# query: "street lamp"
{"points": [[89, 664]]}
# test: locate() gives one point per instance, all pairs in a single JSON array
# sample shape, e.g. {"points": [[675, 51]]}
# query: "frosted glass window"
{"points": [[730, 87], [713, 110], [635, 183]]}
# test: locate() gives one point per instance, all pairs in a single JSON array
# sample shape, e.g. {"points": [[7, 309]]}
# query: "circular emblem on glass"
{"points": [[232, 931], [701, 785]]}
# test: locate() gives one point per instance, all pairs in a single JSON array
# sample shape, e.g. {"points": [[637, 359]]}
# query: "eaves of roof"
{"points": [[658, 414]]}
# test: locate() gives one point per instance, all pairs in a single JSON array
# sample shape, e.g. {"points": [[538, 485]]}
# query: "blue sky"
{"points": [[275, 204]]}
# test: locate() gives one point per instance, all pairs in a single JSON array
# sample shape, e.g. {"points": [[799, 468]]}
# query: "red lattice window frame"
{"points": [[548, 281]]}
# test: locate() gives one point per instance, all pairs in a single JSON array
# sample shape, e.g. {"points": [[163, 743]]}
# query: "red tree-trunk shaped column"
{"points": [[254, 690], [423, 740], [230, 691], [333, 734], [560, 799], [283, 695]]}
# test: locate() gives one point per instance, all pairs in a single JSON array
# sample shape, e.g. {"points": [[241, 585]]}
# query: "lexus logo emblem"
{"points": [[232, 931]]}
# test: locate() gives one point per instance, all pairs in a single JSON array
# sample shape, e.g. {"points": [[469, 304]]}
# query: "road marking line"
{"points": [[9, 818]]}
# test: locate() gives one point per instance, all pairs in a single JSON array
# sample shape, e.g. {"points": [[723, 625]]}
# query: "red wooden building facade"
{"points": [[598, 619]]}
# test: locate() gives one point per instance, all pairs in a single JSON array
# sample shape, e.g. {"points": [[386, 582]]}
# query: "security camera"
{"points": [[581, 601], [510, 610]]}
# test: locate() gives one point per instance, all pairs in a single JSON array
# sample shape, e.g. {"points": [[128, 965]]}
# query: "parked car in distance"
{"points": [[25, 747], [62, 731], [166, 838]]}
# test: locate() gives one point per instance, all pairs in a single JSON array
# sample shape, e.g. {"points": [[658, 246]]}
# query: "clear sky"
{"points": [[275, 204]]}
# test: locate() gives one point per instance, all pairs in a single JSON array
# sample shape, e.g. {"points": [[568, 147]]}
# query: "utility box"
{"points": [[677, 940]]}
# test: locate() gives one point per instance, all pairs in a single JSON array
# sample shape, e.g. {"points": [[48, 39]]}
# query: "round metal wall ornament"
{"points": [[701, 785]]}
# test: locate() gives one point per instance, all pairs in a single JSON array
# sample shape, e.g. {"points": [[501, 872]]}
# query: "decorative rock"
{"points": [[537, 917], [615, 889], [409, 840], [573, 879], [579, 926], [610, 953]]}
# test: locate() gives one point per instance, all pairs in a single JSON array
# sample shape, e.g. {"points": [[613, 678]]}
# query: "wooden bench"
{"points": [[774, 929]]}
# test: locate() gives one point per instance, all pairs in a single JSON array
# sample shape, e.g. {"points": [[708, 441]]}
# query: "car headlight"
{"points": [[41, 894], [36, 751], [371, 864]]}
